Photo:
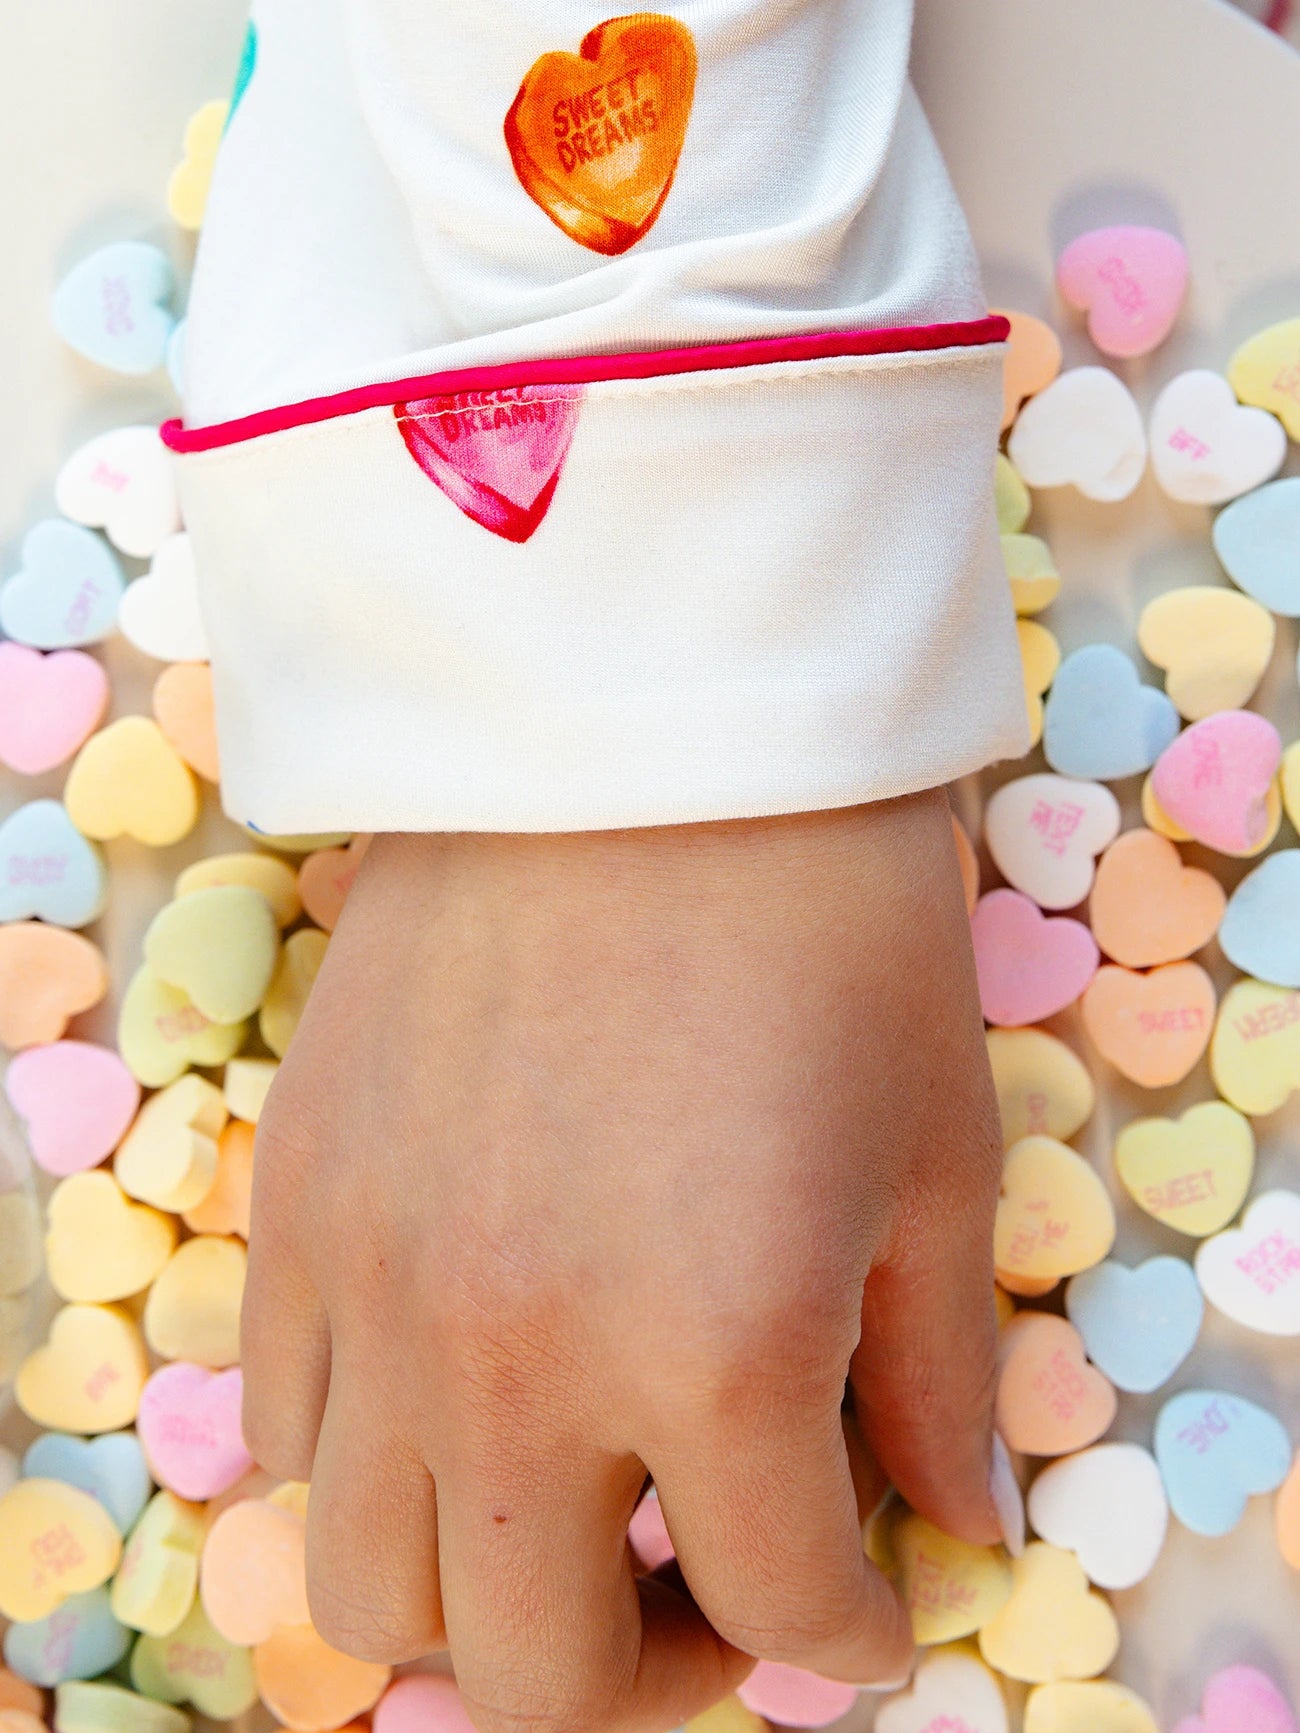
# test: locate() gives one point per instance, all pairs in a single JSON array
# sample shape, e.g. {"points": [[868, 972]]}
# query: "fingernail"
{"points": [[883, 1685], [1004, 1490]]}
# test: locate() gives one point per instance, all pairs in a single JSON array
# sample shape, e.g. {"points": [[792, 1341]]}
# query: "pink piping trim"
{"points": [[586, 370]]}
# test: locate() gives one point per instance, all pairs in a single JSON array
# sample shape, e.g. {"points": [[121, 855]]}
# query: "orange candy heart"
{"points": [[1032, 361], [182, 708], [1147, 907], [325, 878], [1286, 1517], [47, 975], [1152, 1028], [228, 1205], [1050, 1400], [595, 136], [306, 1684], [967, 863]]}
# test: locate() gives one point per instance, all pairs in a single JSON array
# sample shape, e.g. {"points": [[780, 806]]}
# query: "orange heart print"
{"points": [[595, 136]]}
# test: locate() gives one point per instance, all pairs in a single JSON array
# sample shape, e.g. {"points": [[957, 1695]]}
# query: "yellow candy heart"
{"points": [[299, 844], [728, 1716], [99, 1245], [1265, 372], [195, 1664], [1157, 819], [286, 998], [950, 1587], [169, 1156], [246, 1084], [192, 1312], [1011, 496], [1255, 1049], [160, 1034], [1054, 1216], [1044, 1088], [1094, 1706], [127, 781], [159, 1575], [276, 880], [1192, 1173], [1214, 645], [1031, 572], [88, 1376], [187, 190], [20, 1243], [1040, 657], [96, 1707], [55, 1541], [291, 1495], [219, 946], [1053, 1627], [1289, 777]]}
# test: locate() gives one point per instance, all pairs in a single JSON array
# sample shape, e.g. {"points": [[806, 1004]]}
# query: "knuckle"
{"points": [[271, 1447], [797, 1633], [580, 1709], [367, 1633]]}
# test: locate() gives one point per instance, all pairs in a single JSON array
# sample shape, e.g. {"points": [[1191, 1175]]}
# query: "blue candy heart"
{"points": [[1137, 1325], [1100, 721], [110, 1468], [79, 1641], [48, 870], [1260, 931], [67, 591], [113, 307], [1258, 539], [1214, 1452]]}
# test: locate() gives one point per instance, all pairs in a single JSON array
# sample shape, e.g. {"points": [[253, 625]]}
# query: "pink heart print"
{"points": [[1241, 1700], [1214, 779], [1130, 281], [497, 455], [1028, 967], [189, 1427], [49, 705]]}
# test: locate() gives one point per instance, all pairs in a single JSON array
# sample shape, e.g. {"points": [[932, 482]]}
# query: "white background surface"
{"points": [[1055, 116]]}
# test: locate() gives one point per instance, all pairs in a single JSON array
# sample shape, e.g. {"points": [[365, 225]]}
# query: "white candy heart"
{"points": [[1044, 833], [1252, 1273], [1205, 447], [1108, 1506], [952, 1692], [1085, 428], [123, 483], [160, 612]]}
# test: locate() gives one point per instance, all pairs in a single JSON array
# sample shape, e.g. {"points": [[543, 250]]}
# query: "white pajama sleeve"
{"points": [[589, 421]]}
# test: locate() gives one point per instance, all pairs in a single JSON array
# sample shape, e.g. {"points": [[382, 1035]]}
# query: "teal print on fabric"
{"points": [[247, 64]]}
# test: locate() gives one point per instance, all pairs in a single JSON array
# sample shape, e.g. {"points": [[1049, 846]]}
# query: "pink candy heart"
{"points": [[1129, 281], [1240, 1700], [648, 1535], [792, 1697], [189, 1427], [1215, 777], [49, 705], [1028, 967], [77, 1100], [423, 1703]]}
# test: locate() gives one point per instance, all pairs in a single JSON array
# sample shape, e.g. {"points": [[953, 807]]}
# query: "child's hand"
{"points": [[577, 1168]]}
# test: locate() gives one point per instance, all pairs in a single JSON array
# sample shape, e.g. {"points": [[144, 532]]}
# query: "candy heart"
{"points": [[1240, 1700], [1205, 448], [1050, 1400], [48, 705], [195, 1664], [1214, 1452], [429, 1703], [1087, 1706], [1042, 1085], [154, 1588], [1252, 1274], [1286, 1517], [160, 1033], [1215, 778], [952, 1692], [1137, 1325], [798, 1698], [20, 1243], [1258, 539], [967, 863], [76, 1641], [1157, 819], [1031, 362], [1040, 657], [189, 1426], [124, 483], [1100, 722], [228, 1205], [1028, 966], [1053, 1627], [1032, 574], [325, 878], [1261, 927], [300, 844], [66, 592], [89, 1375], [1147, 907], [647, 1533], [275, 879], [192, 1312], [127, 781], [76, 1101], [1084, 430], [1213, 643], [16, 1695], [1130, 281], [1192, 1173], [1255, 1052], [286, 998], [113, 307], [183, 708], [111, 1469], [100, 1246], [1265, 371], [247, 1083], [96, 1707], [1054, 1216], [1152, 1028], [1290, 781], [55, 1541], [254, 1571], [1010, 496], [169, 1156], [187, 190], [219, 946], [47, 975], [48, 870], [1043, 833], [1107, 1505], [306, 1684], [951, 1588], [160, 612], [595, 136]]}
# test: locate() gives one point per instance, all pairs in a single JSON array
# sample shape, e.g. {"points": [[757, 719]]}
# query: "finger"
{"points": [[870, 1482], [372, 1536], [285, 1357]]}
